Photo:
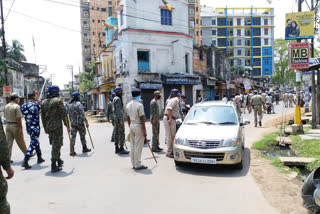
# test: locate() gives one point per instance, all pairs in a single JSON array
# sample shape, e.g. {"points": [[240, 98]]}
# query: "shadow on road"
{"points": [[16, 163], [38, 167], [218, 170], [85, 155], [61, 174]]}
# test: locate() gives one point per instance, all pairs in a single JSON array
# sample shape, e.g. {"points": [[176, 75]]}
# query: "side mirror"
{"points": [[316, 196], [245, 122]]}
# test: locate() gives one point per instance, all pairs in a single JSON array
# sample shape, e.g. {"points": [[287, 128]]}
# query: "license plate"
{"points": [[204, 160]]}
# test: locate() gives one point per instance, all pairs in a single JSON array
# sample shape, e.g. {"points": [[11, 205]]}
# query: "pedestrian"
{"points": [[291, 100], [53, 113], [155, 113], [286, 100], [78, 123], [110, 114], [31, 111], [5, 163], [277, 97], [171, 114], [138, 133], [245, 102], [237, 101], [118, 116], [13, 115], [257, 103]]}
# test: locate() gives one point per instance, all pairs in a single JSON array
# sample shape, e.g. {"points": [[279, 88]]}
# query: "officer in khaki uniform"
{"points": [[138, 133], [257, 104], [13, 115], [155, 121], [171, 114]]}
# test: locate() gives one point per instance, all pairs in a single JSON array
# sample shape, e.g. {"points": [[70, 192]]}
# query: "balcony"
{"points": [[143, 66]]}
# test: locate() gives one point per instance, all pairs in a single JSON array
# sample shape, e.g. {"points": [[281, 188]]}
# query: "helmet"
{"points": [[175, 92], [53, 88], [75, 94], [118, 89]]}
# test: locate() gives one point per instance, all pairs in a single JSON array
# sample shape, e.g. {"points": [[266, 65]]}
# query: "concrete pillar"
{"points": [[183, 89]]}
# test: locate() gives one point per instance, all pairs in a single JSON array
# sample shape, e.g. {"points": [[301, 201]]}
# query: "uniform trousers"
{"points": [[155, 134], [4, 205], [119, 137], [12, 133], [82, 132], [257, 114], [136, 143], [56, 141], [170, 133], [34, 141]]}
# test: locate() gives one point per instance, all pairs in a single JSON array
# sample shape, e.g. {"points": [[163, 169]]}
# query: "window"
{"points": [[197, 9], [265, 21], [197, 21], [239, 62], [239, 32], [93, 33], [187, 63], [265, 41], [110, 11], [86, 14], [166, 17], [98, 21], [231, 33], [214, 42], [121, 17], [266, 71], [214, 22], [201, 32], [239, 42], [110, 2], [191, 11], [266, 52], [266, 62], [197, 33], [103, 9], [214, 32], [103, 34], [143, 61], [85, 34], [93, 20], [238, 21], [266, 31], [98, 8], [239, 53], [86, 46]]}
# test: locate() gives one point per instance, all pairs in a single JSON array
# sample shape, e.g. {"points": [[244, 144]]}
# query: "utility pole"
{"points": [[313, 87], [4, 43], [70, 68]]}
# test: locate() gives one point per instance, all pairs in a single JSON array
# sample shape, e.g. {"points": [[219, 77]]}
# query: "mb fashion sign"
{"points": [[299, 55]]}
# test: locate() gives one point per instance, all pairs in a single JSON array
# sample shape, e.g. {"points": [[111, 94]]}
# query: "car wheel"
{"points": [[239, 165]]}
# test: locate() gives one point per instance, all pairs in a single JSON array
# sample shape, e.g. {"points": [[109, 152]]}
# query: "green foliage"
{"points": [[237, 71], [279, 165], [16, 51], [267, 142], [86, 78], [71, 90]]}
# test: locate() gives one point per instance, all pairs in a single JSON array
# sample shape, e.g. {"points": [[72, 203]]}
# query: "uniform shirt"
{"points": [[264, 95], [12, 112], [173, 104], [4, 149], [76, 113], [256, 100], [117, 108], [53, 114], [154, 109], [31, 111], [109, 111], [135, 111]]}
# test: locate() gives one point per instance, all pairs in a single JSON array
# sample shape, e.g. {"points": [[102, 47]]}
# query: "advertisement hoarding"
{"points": [[299, 25], [299, 55]]}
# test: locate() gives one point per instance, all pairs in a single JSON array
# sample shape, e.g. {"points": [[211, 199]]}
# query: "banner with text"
{"points": [[299, 55], [299, 25]]}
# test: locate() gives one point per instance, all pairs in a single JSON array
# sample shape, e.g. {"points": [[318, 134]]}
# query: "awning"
{"points": [[180, 79], [155, 84]]}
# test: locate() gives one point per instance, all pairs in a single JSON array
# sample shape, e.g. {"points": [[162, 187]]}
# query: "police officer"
{"points": [[31, 112], [13, 115], [257, 103], [171, 114], [110, 114], [78, 122], [5, 163], [53, 114], [118, 116], [138, 133], [155, 121]]}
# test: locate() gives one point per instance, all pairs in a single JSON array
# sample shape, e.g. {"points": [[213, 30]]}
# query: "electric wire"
{"points": [[9, 10]]}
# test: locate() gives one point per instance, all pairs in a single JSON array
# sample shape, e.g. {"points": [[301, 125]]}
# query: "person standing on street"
{"points": [[53, 114], [118, 117], [78, 122], [245, 102], [286, 100], [138, 133], [291, 99], [237, 101], [171, 114], [31, 112], [13, 115], [155, 120], [5, 163], [257, 103], [110, 114]]}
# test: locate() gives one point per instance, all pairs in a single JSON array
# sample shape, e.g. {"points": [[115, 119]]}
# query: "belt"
{"points": [[168, 117], [257, 105]]}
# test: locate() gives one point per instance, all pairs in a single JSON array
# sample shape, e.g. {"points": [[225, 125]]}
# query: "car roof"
{"points": [[215, 103]]}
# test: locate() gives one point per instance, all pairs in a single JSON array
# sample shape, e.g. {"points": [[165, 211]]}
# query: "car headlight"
{"points": [[230, 142], [181, 141]]}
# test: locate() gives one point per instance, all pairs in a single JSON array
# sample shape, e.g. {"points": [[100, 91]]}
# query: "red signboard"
{"points": [[299, 55], [7, 90]]}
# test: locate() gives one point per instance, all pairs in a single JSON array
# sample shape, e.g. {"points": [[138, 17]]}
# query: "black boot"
{"points": [[54, 167], [85, 150], [60, 163], [123, 151], [25, 163], [40, 159], [117, 150]]}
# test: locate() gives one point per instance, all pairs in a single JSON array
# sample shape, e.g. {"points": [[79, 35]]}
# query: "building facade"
{"points": [[245, 34], [154, 50], [85, 34], [194, 20]]}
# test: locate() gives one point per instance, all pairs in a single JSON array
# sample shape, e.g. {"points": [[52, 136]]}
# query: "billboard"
{"points": [[7, 90], [299, 55], [299, 25]]}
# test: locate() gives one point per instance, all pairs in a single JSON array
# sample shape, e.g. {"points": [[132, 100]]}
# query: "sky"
{"points": [[57, 47]]}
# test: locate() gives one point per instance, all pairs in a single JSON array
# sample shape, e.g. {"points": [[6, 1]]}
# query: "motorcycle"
{"points": [[311, 192]]}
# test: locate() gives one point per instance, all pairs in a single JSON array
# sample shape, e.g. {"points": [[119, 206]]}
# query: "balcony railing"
{"points": [[143, 66]]}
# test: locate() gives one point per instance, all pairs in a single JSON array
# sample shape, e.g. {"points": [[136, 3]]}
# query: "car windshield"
{"points": [[212, 115]]}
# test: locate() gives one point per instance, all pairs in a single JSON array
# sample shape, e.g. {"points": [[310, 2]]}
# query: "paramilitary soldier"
{"points": [[31, 111], [257, 104], [118, 117], [110, 114], [5, 163], [77, 120], [155, 120], [53, 114]]}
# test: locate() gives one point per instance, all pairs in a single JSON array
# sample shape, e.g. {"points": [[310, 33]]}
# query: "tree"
{"points": [[86, 78], [16, 51]]}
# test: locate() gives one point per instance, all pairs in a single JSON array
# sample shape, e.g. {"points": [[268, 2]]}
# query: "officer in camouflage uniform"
{"points": [[155, 120], [53, 114], [118, 117], [31, 112], [77, 120], [5, 163], [110, 114]]}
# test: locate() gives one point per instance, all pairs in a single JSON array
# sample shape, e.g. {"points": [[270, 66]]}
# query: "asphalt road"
{"points": [[102, 182]]}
